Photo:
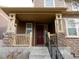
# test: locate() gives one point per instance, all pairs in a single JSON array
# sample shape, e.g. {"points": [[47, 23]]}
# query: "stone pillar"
{"points": [[8, 36], [59, 29], [11, 26]]}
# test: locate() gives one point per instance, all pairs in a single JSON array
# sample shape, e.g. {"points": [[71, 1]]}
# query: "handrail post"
{"points": [[30, 39], [49, 35]]}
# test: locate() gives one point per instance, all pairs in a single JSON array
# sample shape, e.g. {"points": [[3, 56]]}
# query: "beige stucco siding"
{"points": [[68, 5], [4, 19], [21, 28], [59, 3], [38, 3]]}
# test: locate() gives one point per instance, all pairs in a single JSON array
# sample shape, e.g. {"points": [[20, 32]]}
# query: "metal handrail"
{"points": [[60, 53], [48, 44], [57, 53]]}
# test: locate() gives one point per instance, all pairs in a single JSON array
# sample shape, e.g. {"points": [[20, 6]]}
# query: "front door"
{"points": [[40, 34]]}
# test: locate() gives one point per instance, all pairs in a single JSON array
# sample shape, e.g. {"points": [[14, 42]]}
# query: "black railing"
{"points": [[48, 44], [53, 49]]}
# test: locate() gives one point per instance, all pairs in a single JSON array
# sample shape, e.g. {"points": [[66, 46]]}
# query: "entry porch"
{"points": [[27, 27], [35, 30]]}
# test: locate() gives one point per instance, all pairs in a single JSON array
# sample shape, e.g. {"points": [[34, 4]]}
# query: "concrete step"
{"points": [[5, 40], [39, 53], [66, 52], [39, 57]]}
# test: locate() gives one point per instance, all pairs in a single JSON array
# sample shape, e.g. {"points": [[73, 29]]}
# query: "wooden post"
{"points": [[34, 33], [49, 35], [30, 39], [59, 23], [59, 30]]}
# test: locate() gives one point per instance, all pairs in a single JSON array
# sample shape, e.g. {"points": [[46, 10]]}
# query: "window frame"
{"points": [[53, 5], [67, 34]]}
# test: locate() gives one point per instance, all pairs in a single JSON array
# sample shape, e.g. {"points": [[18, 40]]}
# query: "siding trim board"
{"points": [[34, 10]]}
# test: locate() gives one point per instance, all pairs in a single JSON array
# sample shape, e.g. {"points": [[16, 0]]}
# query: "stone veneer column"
{"points": [[59, 30], [8, 36], [11, 26]]}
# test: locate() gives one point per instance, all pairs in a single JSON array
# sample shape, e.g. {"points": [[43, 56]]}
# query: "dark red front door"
{"points": [[40, 34]]}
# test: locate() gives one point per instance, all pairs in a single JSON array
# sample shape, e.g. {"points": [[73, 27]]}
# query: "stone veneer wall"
{"points": [[73, 43]]}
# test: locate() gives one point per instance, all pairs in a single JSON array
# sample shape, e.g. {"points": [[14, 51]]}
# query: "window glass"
{"points": [[72, 26], [28, 28], [71, 23], [72, 31], [28, 25], [49, 2]]}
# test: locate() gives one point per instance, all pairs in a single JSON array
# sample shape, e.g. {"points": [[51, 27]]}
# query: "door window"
{"points": [[28, 28]]}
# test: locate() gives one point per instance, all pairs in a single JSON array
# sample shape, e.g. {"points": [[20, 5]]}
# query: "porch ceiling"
{"points": [[42, 18]]}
